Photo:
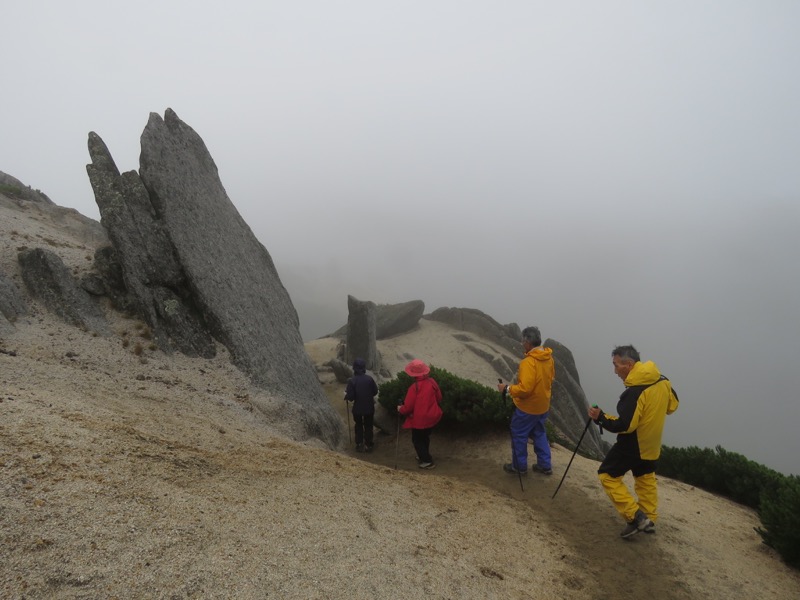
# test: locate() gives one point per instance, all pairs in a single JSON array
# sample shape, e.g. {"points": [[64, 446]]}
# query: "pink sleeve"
{"points": [[408, 404]]}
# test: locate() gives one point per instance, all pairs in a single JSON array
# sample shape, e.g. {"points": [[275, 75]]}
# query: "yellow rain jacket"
{"points": [[643, 407], [535, 380]]}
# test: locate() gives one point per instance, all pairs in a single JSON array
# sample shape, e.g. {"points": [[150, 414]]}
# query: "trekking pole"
{"points": [[585, 429], [514, 462], [397, 441]]}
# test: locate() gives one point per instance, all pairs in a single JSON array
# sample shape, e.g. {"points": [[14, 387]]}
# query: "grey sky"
{"points": [[614, 172]]}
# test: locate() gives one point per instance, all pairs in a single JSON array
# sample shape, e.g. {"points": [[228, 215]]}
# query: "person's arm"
{"points": [[407, 407], [437, 391], [526, 380], [673, 401], [627, 411]]}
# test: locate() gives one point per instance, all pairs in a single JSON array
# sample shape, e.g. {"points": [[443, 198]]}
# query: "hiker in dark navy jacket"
{"points": [[361, 390]]}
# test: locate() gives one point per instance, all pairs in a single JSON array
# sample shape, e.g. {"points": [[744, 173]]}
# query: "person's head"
{"points": [[623, 358], [531, 337], [359, 366], [417, 369]]}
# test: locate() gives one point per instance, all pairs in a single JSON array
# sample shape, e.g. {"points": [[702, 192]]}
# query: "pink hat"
{"points": [[417, 368]]}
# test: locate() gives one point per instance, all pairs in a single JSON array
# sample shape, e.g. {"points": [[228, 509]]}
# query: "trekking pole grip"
{"points": [[600, 426]]}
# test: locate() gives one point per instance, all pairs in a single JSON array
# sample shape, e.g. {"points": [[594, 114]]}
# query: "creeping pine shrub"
{"points": [[775, 496], [718, 471], [780, 516], [12, 191], [464, 402]]}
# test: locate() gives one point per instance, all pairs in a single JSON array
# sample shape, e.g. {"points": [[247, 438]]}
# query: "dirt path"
{"points": [[620, 569]]}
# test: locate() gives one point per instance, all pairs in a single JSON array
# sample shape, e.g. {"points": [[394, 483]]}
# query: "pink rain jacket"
{"points": [[421, 405]]}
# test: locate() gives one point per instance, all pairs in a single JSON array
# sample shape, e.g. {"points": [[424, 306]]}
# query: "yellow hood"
{"points": [[541, 353], [643, 374]]}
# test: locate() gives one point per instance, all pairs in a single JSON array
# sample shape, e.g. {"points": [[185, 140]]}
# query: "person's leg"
{"points": [[368, 431], [614, 466], [422, 445], [428, 444], [620, 496], [359, 427], [541, 446], [646, 488], [521, 425], [417, 437]]}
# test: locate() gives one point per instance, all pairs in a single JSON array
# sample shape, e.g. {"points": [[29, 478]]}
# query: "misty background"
{"points": [[613, 172]]}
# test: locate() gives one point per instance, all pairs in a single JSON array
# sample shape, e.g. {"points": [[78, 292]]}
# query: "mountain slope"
{"points": [[128, 473]]}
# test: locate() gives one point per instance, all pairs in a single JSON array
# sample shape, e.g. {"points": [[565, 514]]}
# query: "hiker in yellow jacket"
{"points": [[531, 396], [643, 407]]}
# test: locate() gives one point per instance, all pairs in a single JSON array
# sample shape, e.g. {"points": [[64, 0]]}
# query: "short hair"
{"points": [[532, 335], [626, 353]]}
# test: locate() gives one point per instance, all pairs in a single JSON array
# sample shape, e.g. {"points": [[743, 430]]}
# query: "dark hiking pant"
{"points": [[421, 438], [363, 429]]}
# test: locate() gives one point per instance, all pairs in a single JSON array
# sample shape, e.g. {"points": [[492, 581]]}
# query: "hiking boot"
{"points": [[426, 465], [510, 468], [640, 523], [542, 470], [650, 527], [369, 448]]}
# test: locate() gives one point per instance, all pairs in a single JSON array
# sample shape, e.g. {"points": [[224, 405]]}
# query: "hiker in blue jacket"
{"points": [[361, 390]]}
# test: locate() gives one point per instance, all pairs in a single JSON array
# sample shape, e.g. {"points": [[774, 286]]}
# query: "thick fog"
{"points": [[613, 172]]}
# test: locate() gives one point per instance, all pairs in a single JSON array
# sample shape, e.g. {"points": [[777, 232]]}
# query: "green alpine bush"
{"points": [[12, 191], [775, 496], [466, 405], [780, 516], [718, 471], [464, 402]]}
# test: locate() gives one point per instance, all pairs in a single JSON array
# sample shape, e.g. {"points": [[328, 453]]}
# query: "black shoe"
{"points": [[509, 468], [426, 465], [640, 523], [369, 448], [542, 470]]}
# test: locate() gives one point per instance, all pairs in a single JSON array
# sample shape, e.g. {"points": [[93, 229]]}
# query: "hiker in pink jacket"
{"points": [[421, 408]]}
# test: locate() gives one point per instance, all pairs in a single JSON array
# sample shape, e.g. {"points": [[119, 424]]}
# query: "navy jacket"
{"points": [[362, 389]]}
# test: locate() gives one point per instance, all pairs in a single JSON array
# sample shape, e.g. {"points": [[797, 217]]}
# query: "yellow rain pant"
{"points": [[647, 492], [626, 505]]}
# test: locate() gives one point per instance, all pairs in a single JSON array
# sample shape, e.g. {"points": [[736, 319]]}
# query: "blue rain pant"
{"points": [[524, 426]]}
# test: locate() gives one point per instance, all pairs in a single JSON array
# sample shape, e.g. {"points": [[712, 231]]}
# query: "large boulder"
{"points": [[477, 322], [361, 332], [200, 261], [12, 301], [568, 401], [151, 271], [564, 357], [394, 319], [12, 304], [108, 269], [48, 279]]}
